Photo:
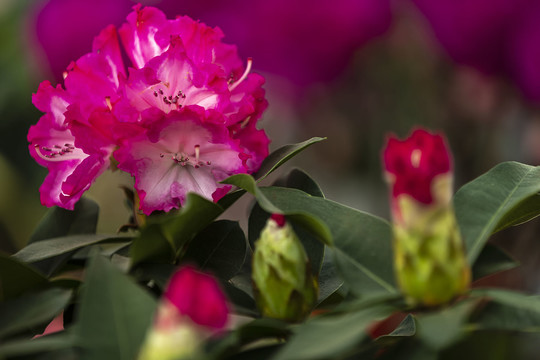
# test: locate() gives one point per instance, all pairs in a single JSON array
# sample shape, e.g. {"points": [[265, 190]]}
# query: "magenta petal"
{"points": [[198, 296], [171, 81], [53, 101], [93, 81], [83, 176], [138, 34]]}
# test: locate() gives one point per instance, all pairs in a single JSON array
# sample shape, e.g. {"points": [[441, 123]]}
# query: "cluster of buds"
{"points": [[284, 285], [430, 263], [193, 308]]}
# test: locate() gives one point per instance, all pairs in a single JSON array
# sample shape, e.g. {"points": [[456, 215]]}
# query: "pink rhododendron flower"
{"points": [[181, 118], [412, 165]]}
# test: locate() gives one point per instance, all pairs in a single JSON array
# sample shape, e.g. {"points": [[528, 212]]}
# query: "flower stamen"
{"points": [[57, 153], [244, 75]]}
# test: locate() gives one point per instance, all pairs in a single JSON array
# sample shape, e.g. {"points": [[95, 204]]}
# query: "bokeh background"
{"points": [[350, 70]]}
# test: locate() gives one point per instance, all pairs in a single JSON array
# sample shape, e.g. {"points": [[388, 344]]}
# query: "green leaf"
{"points": [[30, 310], [164, 239], [299, 179], [219, 249], [256, 330], [45, 249], [362, 242], [151, 246], [44, 344], [525, 211], [509, 310], [440, 329], [329, 281], [59, 222], [492, 201], [492, 260], [301, 217], [17, 278], [282, 155], [406, 328], [330, 337], [114, 313]]}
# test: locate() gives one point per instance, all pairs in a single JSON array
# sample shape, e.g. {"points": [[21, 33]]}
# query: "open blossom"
{"points": [[180, 154], [181, 117], [192, 309]]}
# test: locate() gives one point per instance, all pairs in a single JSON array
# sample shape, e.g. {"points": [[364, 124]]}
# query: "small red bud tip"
{"points": [[279, 219]]}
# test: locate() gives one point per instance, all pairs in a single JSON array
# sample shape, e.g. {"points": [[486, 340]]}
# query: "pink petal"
{"points": [[138, 34]]}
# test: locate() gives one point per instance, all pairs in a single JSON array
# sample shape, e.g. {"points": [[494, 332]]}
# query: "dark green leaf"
{"points": [[160, 273], [298, 179], [329, 337], [57, 246], [282, 155], [44, 344], [256, 330], [362, 242], [242, 302], [59, 222], [492, 201], [219, 249], [33, 309], [509, 310], [301, 217], [151, 246], [164, 239], [442, 328], [114, 313], [406, 328], [329, 281], [17, 278], [491, 260]]}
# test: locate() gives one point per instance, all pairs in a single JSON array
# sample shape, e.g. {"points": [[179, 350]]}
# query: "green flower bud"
{"points": [[429, 256], [283, 283], [430, 262]]}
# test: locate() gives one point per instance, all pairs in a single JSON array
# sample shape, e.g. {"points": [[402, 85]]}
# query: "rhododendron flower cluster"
{"points": [[180, 118]]}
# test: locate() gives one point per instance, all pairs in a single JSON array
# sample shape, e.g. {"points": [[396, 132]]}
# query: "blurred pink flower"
{"points": [[304, 41], [182, 119], [497, 37]]}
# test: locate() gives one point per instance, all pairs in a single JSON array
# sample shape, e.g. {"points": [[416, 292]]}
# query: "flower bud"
{"points": [[192, 309], [284, 286], [429, 257]]}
